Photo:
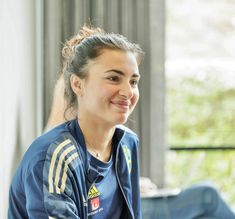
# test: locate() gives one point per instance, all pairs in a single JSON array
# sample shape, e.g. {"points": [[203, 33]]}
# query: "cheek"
{"points": [[108, 93], [135, 98], [103, 97]]}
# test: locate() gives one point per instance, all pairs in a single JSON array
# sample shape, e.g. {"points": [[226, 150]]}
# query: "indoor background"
{"points": [[189, 49]]}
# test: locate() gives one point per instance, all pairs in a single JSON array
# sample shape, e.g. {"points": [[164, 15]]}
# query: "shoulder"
{"points": [[129, 139], [62, 151], [62, 158], [41, 143], [54, 141], [128, 148], [127, 134], [127, 130]]}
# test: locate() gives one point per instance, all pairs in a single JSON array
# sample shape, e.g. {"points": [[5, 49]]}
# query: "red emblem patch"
{"points": [[95, 203]]}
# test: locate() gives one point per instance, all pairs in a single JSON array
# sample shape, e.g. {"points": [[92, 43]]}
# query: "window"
{"points": [[200, 71]]}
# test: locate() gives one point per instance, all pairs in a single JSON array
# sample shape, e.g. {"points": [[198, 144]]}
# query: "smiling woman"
{"points": [[111, 88], [88, 166]]}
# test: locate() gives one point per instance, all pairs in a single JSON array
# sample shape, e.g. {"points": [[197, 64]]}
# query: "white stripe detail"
{"points": [[59, 166], [53, 159], [67, 162]]}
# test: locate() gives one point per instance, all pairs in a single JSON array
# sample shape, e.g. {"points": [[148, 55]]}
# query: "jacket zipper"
{"points": [[120, 182]]}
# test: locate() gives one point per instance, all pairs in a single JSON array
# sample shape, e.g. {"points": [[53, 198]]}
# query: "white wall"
{"points": [[17, 23]]}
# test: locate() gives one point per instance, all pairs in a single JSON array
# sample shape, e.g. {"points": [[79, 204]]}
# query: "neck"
{"points": [[98, 138]]}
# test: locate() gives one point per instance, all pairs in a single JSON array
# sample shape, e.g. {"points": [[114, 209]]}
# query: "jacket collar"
{"points": [[74, 128]]}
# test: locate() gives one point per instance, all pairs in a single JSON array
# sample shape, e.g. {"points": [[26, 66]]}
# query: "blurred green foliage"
{"points": [[201, 112]]}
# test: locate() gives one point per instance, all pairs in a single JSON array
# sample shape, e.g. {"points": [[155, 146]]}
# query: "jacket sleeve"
{"points": [[42, 203]]}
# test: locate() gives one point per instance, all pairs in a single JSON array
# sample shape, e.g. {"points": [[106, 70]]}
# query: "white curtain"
{"points": [[17, 111]]}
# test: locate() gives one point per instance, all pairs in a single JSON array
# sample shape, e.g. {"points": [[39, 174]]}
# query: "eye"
{"points": [[134, 82], [114, 78]]}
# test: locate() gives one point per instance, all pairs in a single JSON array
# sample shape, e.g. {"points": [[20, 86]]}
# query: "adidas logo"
{"points": [[93, 192]]}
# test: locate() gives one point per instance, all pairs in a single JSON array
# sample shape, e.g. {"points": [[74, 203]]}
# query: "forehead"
{"points": [[116, 59]]}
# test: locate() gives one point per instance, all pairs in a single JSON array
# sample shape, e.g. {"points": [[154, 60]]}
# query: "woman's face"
{"points": [[110, 91]]}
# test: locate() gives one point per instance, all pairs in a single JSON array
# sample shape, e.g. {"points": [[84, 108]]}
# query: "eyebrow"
{"points": [[135, 75]]}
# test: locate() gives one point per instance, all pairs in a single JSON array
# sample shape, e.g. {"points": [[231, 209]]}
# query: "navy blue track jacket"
{"points": [[52, 179]]}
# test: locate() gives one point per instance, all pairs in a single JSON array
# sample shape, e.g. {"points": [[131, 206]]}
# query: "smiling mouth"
{"points": [[121, 105]]}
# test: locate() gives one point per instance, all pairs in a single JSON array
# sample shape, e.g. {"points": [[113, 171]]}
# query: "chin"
{"points": [[121, 120]]}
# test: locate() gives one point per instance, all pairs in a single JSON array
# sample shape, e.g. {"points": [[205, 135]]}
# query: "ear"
{"points": [[76, 85]]}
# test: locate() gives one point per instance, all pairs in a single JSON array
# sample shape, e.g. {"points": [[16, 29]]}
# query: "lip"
{"points": [[121, 104]]}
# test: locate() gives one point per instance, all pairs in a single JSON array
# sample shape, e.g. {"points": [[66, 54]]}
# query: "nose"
{"points": [[126, 91]]}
